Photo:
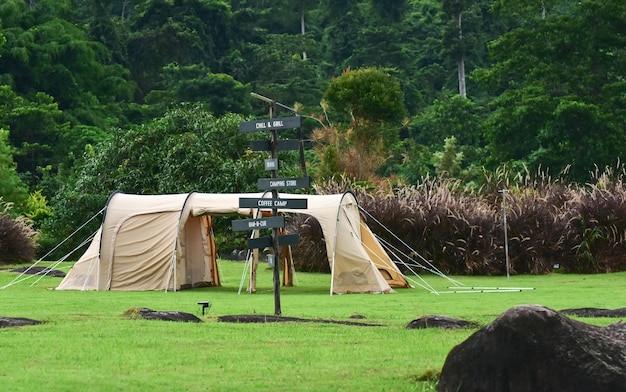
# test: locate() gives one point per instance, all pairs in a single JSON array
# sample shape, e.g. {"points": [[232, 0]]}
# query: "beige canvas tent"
{"points": [[165, 242]]}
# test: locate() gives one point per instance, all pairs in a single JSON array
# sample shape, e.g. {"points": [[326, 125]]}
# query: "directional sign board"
{"points": [[266, 242], [254, 224], [296, 204], [288, 239], [270, 124], [261, 242], [271, 164], [283, 183], [281, 145]]}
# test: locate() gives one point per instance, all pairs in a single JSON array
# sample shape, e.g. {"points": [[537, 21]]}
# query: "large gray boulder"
{"points": [[534, 348]]}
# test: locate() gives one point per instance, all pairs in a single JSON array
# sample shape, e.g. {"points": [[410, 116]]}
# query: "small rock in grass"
{"points": [[437, 321], [17, 322], [149, 314]]}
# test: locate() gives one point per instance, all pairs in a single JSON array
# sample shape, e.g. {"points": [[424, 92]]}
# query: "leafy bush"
{"points": [[17, 237], [37, 208], [187, 149]]}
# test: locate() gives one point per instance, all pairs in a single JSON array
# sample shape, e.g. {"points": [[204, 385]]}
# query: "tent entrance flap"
{"points": [[381, 259], [198, 257]]}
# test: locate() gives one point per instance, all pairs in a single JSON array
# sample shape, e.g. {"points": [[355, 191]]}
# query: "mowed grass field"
{"points": [[87, 344]]}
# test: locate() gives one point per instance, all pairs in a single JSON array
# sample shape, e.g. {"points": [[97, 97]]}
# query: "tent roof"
{"points": [[155, 223]]}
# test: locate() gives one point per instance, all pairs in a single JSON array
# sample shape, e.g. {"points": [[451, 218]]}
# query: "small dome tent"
{"points": [[165, 242]]}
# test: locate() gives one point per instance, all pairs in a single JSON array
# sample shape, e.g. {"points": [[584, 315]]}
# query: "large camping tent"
{"points": [[165, 242]]}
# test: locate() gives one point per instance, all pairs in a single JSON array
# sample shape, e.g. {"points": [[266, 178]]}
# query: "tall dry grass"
{"points": [[17, 237], [580, 228]]}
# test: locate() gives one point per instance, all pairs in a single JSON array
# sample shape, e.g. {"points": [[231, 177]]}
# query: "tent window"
{"points": [[385, 274]]}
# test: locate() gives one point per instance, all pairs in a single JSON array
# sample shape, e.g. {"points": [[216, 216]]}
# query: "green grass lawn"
{"points": [[87, 344]]}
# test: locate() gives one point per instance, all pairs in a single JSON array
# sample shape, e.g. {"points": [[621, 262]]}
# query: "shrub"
{"points": [[17, 237], [436, 221], [598, 221], [37, 208], [580, 227]]}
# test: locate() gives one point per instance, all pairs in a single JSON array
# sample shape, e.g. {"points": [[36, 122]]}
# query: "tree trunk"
{"points": [[461, 66], [461, 58], [302, 30], [124, 4]]}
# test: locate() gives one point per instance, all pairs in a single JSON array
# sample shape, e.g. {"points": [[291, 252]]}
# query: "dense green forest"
{"points": [[144, 96]]}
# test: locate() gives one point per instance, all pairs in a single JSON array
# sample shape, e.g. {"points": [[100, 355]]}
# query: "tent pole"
{"points": [[171, 269], [332, 263], [90, 271], [245, 272], [253, 256]]}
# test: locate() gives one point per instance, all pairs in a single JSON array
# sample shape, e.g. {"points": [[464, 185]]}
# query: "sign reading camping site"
{"points": [[277, 123], [296, 204]]}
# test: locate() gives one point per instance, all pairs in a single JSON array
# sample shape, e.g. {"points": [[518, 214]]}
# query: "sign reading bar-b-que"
{"points": [[283, 183], [270, 124], [255, 224]]}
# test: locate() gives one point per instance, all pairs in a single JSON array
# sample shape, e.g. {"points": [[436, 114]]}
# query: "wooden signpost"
{"points": [[275, 222]]}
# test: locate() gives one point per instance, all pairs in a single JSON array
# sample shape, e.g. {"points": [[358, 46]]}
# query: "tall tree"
{"points": [[183, 32], [425, 75], [455, 9], [36, 128], [47, 52], [529, 12], [464, 36], [303, 9], [548, 113], [195, 83], [448, 117], [380, 41], [371, 103], [12, 189], [341, 21]]}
